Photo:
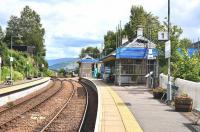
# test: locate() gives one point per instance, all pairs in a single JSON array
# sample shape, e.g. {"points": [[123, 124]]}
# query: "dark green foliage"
{"points": [[186, 67], [109, 42], [91, 51], [28, 26]]}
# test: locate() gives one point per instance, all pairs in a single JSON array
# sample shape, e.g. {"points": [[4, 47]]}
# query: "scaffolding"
{"points": [[133, 71]]}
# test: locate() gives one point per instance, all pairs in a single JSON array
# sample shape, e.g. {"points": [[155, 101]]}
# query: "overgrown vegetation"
{"points": [[186, 67], [91, 51], [29, 27]]}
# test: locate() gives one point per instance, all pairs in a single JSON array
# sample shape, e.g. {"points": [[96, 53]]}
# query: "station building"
{"points": [[131, 63], [87, 66]]}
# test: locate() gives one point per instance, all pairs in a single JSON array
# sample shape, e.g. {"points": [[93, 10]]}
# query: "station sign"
{"points": [[107, 70], [167, 49], [11, 59], [163, 36]]}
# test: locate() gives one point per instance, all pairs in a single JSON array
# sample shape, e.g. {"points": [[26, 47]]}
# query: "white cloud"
{"points": [[90, 19]]}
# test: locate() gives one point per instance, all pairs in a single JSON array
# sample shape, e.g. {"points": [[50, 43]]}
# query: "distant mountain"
{"points": [[65, 63], [57, 61]]}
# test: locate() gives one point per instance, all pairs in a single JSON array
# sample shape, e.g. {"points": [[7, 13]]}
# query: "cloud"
{"points": [[73, 24]]}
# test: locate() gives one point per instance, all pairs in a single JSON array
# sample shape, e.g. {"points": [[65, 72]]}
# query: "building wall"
{"points": [[85, 70]]}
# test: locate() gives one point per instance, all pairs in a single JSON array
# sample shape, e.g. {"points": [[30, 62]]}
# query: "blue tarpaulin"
{"points": [[88, 60], [134, 53], [191, 51]]}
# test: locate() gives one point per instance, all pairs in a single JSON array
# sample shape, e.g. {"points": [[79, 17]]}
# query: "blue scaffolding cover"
{"points": [[134, 53], [88, 60], [191, 51]]}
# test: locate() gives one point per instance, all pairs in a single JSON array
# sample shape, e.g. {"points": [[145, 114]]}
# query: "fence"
{"points": [[185, 86]]}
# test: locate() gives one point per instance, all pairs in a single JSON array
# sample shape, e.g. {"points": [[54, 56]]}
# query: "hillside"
{"points": [[61, 60], [63, 63]]}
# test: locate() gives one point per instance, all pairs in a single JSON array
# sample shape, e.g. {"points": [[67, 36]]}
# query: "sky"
{"points": [[74, 24]]}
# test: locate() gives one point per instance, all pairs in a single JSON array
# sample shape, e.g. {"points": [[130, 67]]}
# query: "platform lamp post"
{"points": [[11, 58]]}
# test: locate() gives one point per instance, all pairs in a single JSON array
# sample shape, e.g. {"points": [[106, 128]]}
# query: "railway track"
{"points": [[76, 106], [62, 110], [9, 115]]}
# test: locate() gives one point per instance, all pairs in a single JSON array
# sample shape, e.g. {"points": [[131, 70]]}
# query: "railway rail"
{"points": [[78, 100], [59, 108], [9, 115]]}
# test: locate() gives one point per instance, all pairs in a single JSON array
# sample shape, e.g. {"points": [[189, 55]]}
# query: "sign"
{"points": [[163, 36], [151, 57], [11, 59], [167, 49], [107, 70], [150, 54]]}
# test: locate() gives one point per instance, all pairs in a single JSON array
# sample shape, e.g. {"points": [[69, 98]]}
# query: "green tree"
{"points": [[186, 67], [175, 33], [62, 72], [140, 18], [185, 43], [1, 34], [109, 42], [91, 51], [29, 27]]}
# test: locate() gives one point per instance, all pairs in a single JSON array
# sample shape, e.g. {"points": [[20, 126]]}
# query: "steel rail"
{"points": [[3, 124], [86, 107], [62, 108]]}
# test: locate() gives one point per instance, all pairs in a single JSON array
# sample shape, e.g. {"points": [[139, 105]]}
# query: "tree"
{"points": [[185, 43], [186, 66], [139, 17], [29, 27], [62, 72], [1, 34], [175, 33], [109, 42], [13, 28], [32, 30], [92, 51]]}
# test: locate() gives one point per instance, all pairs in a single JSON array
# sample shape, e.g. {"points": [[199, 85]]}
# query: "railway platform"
{"points": [[114, 114], [132, 108], [12, 88]]}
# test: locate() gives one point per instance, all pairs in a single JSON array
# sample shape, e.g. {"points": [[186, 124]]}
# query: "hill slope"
{"points": [[63, 63]]}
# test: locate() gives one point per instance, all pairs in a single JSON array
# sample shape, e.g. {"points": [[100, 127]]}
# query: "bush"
{"points": [[17, 76]]}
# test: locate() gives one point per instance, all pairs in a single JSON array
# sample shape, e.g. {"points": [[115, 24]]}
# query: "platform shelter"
{"points": [[87, 66], [131, 62]]}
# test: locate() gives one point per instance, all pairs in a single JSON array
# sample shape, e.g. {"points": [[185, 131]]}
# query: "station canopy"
{"points": [[88, 59], [135, 53]]}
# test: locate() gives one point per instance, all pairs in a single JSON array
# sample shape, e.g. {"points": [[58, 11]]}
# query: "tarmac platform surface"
{"points": [[114, 114], [152, 115]]}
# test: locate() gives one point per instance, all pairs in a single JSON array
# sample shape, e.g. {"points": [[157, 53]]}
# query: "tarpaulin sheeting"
{"points": [[191, 51], [88, 61], [134, 53]]}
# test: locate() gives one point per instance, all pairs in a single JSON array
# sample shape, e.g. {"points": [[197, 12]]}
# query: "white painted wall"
{"points": [[15, 96], [185, 86]]}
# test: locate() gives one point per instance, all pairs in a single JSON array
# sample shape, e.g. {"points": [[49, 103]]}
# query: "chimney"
{"points": [[124, 39], [140, 31]]}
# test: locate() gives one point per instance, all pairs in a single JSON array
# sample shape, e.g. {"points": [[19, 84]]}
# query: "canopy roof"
{"points": [[139, 48], [87, 59]]}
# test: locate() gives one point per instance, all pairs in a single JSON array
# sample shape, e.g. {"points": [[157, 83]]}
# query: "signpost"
{"points": [[163, 36], [167, 49]]}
